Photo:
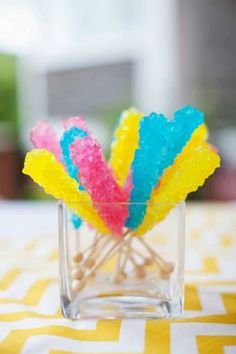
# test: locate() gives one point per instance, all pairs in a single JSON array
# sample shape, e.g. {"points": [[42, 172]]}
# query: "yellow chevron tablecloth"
{"points": [[30, 320]]}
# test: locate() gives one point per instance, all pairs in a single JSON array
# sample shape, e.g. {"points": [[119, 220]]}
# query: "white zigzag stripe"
{"points": [[44, 249], [227, 266], [29, 323], [211, 302], [48, 304], [193, 262], [132, 339], [200, 278], [50, 299], [19, 287], [4, 269], [228, 349], [189, 314], [187, 343], [223, 288]]}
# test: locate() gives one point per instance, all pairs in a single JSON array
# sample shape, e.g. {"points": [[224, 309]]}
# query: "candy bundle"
{"points": [[154, 164]]}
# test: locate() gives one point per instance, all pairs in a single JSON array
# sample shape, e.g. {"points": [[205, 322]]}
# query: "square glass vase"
{"points": [[103, 276]]}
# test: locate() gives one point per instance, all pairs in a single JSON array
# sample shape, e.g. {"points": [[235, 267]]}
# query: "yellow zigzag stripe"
{"points": [[16, 316], [36, 291], [31, 245], [214, 282], [9, 278], [224, 319], [156, 332], [157, 335], [214, 344], [33, 295], [53, 256], [209, 266], [76, 351], [105, 331], [192, 301], [229, 301]]}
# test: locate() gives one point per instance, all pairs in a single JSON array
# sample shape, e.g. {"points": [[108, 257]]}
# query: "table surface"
{"points": [[30, 319]]}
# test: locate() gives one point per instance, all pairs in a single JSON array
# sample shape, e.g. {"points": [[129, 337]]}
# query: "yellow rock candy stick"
{"points": [[42, 166], [126, 138], [187, 175], [199, 135]]}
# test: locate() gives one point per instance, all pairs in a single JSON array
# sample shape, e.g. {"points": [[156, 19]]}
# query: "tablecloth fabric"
{"points": [[30, 319]]}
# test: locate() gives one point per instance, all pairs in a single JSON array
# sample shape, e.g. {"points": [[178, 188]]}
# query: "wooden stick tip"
{"points": [[77, 285], [77, 274], [78, 257]]}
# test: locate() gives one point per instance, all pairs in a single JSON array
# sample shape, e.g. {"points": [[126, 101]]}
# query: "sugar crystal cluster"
{"points": [[97, 177], [154, 164], [161, 140], [45, 170]]}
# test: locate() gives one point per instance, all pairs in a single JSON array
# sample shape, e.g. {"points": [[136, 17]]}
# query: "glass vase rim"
{"points": [[181, 203]]}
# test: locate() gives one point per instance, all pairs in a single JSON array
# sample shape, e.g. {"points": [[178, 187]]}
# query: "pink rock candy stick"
{"points": [[44, 137], [78, 122], [96, 176]]}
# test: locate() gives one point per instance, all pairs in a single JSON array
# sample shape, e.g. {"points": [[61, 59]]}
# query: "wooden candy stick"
{"points": [[120, 273], [139, 268], [77, 273], [96, 251], [117, 276], [79, 256], [97, 239], [79, 285], [101, 250], [77, 240], [100, 243], [122, 261], [145, 260], [80, 273], [85, 263], [166, 267]]}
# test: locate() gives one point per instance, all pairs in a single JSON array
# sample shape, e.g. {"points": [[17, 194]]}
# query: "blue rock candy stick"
{"points": [[76, 221], [66, 140], [161, 140]]}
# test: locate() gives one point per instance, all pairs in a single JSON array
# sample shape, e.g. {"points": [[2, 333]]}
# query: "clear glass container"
{"points": [[106, 276]]}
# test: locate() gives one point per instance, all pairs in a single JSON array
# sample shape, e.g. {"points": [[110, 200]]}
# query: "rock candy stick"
{"points": [[198, 136], [97, 177], [188, 175], [68, 124], [76, 221], [161, 140], [42, 166], [66, 140], [77, 121], [124, 144], [43, 137]]}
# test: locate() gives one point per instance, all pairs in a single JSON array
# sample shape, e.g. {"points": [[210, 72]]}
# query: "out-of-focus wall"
{"points": [[208, 79], [9, 176], [97, 58], [208, 52]]}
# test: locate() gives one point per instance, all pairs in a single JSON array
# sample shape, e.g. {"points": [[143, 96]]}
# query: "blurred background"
{"points": [[61, 58]]}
